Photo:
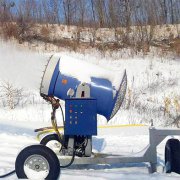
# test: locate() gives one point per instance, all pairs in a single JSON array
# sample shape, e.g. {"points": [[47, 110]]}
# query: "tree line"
{"points": [[92, 13]]}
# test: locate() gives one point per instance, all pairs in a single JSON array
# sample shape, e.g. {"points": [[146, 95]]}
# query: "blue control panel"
{"points": [[80, 116]]}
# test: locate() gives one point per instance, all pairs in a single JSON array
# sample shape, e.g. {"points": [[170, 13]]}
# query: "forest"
{"points": [[92, 13]]}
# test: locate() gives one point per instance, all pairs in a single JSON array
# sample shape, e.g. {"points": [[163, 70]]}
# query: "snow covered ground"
{"points": [[124, 141], [153, 93]]}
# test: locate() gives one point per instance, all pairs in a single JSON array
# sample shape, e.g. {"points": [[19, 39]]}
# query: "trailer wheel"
{"points": [[37, 162], [172, 153]]}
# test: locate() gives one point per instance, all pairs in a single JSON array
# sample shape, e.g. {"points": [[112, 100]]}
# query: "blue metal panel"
{"points": [[80, 117], [102, 90], [61, 89]]}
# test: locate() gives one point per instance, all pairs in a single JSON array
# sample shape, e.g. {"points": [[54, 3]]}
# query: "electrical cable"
{"points": [[62, 114], [8, 174], [55, 127], [72, 160], [55, 105], [74, 152]]}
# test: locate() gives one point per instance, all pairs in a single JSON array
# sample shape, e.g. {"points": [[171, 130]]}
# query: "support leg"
{"points": [[88, 148], [71, 146], [153, 167]]}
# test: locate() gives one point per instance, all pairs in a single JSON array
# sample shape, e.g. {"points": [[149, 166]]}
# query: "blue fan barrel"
{"points": [[109, 99]]}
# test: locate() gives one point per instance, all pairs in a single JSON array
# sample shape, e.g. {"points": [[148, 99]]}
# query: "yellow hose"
{"points": [[58, 130], [55, 128]]}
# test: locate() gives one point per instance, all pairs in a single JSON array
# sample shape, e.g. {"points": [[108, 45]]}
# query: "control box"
{"points": [[80, 116]]}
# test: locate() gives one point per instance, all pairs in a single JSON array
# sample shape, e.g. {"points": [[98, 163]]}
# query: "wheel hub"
{"points": [[37, 163]]}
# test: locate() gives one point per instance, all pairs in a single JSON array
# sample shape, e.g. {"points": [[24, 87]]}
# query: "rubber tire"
{"points": [[40, 150], [172, 156], [48, 138]]}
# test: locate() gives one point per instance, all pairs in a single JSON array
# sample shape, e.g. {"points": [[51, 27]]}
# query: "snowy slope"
{"points": [[151, 81], [153, 84]]}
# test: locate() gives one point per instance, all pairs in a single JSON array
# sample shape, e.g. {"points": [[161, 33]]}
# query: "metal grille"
{"points": [[120, 96]]}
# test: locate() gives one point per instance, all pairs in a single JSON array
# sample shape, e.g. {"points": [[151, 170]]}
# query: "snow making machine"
{"points": [[87, 90]]}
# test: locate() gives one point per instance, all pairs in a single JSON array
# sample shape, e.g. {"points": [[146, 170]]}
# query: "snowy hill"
{"points": [[153, 86], [153, 93]]}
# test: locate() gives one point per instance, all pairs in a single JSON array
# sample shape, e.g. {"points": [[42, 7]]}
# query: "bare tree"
{"points": [[172, 12], [10, 95], [5, 13], [69, 10], [93, 11], [112, 9], [99, 5], [164, 10], [82, 11]]}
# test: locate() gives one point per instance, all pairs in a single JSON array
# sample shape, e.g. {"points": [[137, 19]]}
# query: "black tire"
{"points": [[172, 156], [51, 137], [48, 138], [43, 151]]}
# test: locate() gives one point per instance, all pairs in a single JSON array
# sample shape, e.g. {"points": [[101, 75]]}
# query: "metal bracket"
{"points": [[149, 154], [71, 146]]}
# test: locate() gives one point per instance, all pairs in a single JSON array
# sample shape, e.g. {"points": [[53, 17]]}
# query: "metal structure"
{"points": [[149, 154]]}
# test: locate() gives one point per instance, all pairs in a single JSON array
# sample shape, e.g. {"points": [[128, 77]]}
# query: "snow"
{"points": [[20, 67], [36, 175], [122, 140], [151, 80], [83, 71]]}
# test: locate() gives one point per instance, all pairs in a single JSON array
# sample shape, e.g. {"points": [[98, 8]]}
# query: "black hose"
{"points": [[8, 174], [62, 114], [72, 160]]}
